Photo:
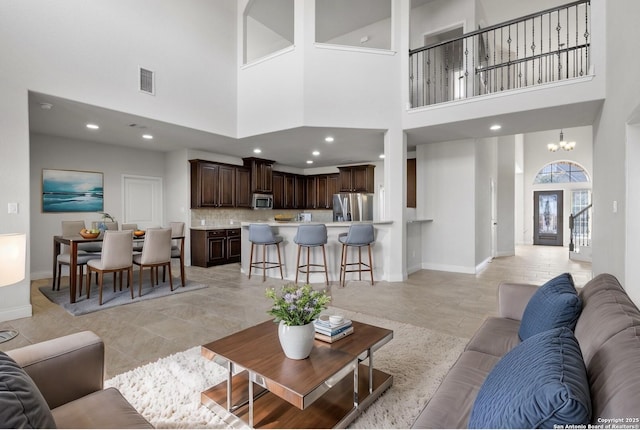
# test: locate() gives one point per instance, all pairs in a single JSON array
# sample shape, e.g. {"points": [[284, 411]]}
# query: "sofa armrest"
{"points": [[66, 368], [513, 299]]}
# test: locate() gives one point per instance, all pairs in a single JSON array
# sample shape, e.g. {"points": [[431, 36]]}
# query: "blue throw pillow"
{"points": [[555, 304], [540, 383]]}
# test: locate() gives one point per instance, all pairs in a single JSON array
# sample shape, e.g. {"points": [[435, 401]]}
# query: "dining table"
{"points": [[73, 241]]}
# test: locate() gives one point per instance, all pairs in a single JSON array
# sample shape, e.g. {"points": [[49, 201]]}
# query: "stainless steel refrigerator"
{"points": [[353, 207]]}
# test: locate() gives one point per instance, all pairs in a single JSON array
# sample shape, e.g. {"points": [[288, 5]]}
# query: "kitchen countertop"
{"points": [[328, 224], [238, 224], [233, 224]]}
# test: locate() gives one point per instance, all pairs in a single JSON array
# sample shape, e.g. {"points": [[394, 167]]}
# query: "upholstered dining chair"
{"points": [[177, 247], [116, 257], [129, 226], [156, 252], [110, 225], [70, 228]]}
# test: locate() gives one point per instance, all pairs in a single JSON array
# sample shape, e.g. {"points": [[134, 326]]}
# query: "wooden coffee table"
{"points": [[327, 390]]}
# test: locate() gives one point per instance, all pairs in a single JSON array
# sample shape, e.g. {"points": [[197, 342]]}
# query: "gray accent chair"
{"points": [[69, 373]]}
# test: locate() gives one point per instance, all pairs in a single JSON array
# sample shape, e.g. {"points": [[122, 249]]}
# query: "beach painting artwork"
{"points": [[72, 191]]}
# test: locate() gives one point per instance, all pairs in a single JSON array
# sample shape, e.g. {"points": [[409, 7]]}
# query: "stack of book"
{"points": [[327, 332]]}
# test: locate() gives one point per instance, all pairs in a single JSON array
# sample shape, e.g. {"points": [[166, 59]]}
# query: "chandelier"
{"points": [[562, 144]]}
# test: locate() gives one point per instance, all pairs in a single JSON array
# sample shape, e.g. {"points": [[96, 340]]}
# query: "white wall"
{"points": [[261, 41], [440, 15], [449, 181], [536, 156], [485, 173], [609, 146], [378, 36], [49, 152], [506, 202], [490, 12]]}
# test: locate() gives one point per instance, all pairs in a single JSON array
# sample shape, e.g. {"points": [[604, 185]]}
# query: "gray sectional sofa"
{"points": [[59, 383], [608, 334]]}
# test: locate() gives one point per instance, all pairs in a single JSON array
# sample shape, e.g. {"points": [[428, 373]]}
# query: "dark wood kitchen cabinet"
{"points": [[214, 247], [218, 185], [213, 185], [288, 191], [261, 174], [320, 191], [357, 179], [278, 190], [243, 187]]}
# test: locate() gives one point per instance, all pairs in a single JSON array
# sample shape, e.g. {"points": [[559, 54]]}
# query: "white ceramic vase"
{"points": [[296, 340]]}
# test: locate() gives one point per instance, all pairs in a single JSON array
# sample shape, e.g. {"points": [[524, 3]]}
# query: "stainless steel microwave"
{"points": [[262, 201]]}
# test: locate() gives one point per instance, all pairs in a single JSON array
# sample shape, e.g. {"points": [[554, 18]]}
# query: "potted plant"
{"points": [[295, 308]]}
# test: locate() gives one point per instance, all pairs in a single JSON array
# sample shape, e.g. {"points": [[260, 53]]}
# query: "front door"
{"points": [[547, 218]]}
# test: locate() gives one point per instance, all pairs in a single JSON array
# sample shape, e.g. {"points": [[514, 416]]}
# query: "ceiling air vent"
{"points": [[147, 81]]}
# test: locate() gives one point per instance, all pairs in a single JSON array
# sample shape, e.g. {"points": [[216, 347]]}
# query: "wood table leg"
{"points": [[56, 252], [73, 270]]}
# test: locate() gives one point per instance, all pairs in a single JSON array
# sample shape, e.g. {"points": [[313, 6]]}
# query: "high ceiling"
{"points": [[68, 119]]}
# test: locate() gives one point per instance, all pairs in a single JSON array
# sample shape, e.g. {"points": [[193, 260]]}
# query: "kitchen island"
{"points": [[333, 248]]}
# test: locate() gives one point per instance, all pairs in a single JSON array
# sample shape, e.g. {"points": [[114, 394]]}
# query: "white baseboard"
{"points": [[15, 313], [449, 268], [41, 275], [413, 269], [483, 264]]}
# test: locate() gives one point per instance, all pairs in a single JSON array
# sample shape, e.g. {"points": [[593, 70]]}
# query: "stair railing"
{"points": [[580, 226], [543, 47]]}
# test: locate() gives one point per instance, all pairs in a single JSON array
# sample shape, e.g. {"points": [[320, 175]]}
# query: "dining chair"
{"points": [[70, 228], [156, 252], [116, 257], [129, 226], [109, 225], [177, 247]]}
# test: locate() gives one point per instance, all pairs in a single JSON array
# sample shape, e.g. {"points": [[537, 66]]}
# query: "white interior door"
{"points": [[142, 201]]}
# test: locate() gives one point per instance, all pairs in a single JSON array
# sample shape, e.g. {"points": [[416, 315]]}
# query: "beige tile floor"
{"points": [[142, 332]]}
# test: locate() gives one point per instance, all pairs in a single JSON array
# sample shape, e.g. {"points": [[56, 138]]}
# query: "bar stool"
{"points": [[309, 236], [359, 235], [262, 234]]}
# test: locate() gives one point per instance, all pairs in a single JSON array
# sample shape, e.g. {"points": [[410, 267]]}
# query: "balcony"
{"points": [[541, 48]]}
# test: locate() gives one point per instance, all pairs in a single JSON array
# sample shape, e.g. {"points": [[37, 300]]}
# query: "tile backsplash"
{"points": [[225, 216]]}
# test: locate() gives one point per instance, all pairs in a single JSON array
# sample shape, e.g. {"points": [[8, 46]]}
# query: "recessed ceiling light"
{"points": [[147, 136], [381, 156], [309, 161], [45, 106], [93, 126], [316, 153], [257, 151], [328, 139], [495, 127]]}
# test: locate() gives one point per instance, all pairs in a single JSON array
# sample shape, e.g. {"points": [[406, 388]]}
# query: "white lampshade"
{"points": [[12, 258]]}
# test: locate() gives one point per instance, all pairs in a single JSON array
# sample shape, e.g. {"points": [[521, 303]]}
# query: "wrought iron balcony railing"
{"points": [[544, 47]]}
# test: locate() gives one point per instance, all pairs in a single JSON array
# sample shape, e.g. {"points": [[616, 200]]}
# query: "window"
{"points": [[561, 173], [362, 23], [268, 28]]}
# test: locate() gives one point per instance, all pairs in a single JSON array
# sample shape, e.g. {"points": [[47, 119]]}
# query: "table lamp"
{"points": [[12, 260]]}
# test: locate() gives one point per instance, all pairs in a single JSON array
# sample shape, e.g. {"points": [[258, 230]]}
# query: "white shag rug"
{"points": [[167, 392]]}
